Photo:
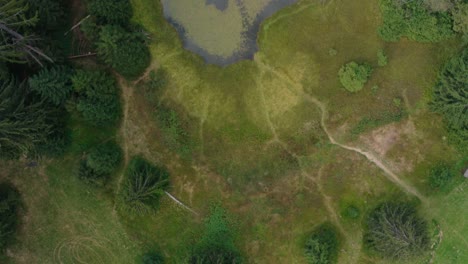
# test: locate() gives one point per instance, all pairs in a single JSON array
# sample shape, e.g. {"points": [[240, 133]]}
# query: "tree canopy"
{"points": [[143, 187], [450, 96], [111, 12], [353, 76], [98, 99], [10, 202], [53, 84], [395, 231], [322, 245], [124, 51]]}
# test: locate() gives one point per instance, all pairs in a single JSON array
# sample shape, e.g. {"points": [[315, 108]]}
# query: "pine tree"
{"points": [[53, 84]]}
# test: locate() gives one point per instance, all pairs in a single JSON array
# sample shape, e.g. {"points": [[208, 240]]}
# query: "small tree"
{"points": [[217, 243], [382, 59], [111, 12], [440, 176], [353, 76], [124, 51], [322, 245], [395, 231], [144, 186], [98, 99], [53, 84], [104, 158]]}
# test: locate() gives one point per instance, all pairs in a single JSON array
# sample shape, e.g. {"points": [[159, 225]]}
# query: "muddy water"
{"points": [[221, 31]]}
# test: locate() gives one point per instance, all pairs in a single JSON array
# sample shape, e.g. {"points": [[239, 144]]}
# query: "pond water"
{"points": [[221, 31]]}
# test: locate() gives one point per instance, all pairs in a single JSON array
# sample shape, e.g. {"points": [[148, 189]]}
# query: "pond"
{"points": [[221, 31]]}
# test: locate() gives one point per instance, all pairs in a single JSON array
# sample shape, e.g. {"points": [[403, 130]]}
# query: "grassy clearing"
{"points": [[242, 117]]}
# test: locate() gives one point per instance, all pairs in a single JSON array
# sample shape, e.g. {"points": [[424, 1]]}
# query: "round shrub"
{"points": [[111, 12], [440, 176], [351, 212], [144, 186], [322, 245], [353, 76], [104, 158], [395, 231], [124, 51], [88, 175]]}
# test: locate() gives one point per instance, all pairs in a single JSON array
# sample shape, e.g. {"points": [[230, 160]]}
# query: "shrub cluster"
{"points": [[353, 76], [322, 245], [143, 187], [395, 231], [111, 12], [412, 19], [152, 258]]}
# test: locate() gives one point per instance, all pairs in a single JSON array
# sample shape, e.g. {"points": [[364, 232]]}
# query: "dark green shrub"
{"points": [[395, 231], [413, 20], [440, 176], [53, 84], [322, 245], [10, 203], [124, 51], [88, 175], [353, 76], [111, 12], [98, 99], [217, 243], [382, 59], [143, 187], [351, 212], [450, 97], [50, 12], [152, 258], [104, 158], [460, 17]]}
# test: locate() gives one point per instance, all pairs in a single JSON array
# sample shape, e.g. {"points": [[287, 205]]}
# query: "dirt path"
{"points": [[298, 89]]}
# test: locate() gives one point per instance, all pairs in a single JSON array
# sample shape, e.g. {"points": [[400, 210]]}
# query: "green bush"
{"points": [[10, 203], [105, 158], [460, 17], [382, 59], [450, 96], [217, 243], [98, 99], [111, 12], [351, 212], [143, 187], [353, 76], [413, 20], [124, 51], [53, 84], [88, 175], [440, 176], [395, 231], [152, 258], [322, 245]]}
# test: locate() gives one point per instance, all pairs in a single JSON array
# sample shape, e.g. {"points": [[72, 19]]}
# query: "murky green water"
{"points": [[221, 31]]}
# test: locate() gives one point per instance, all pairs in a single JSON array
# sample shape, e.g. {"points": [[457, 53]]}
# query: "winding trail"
{"points": [[298, 90]]}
